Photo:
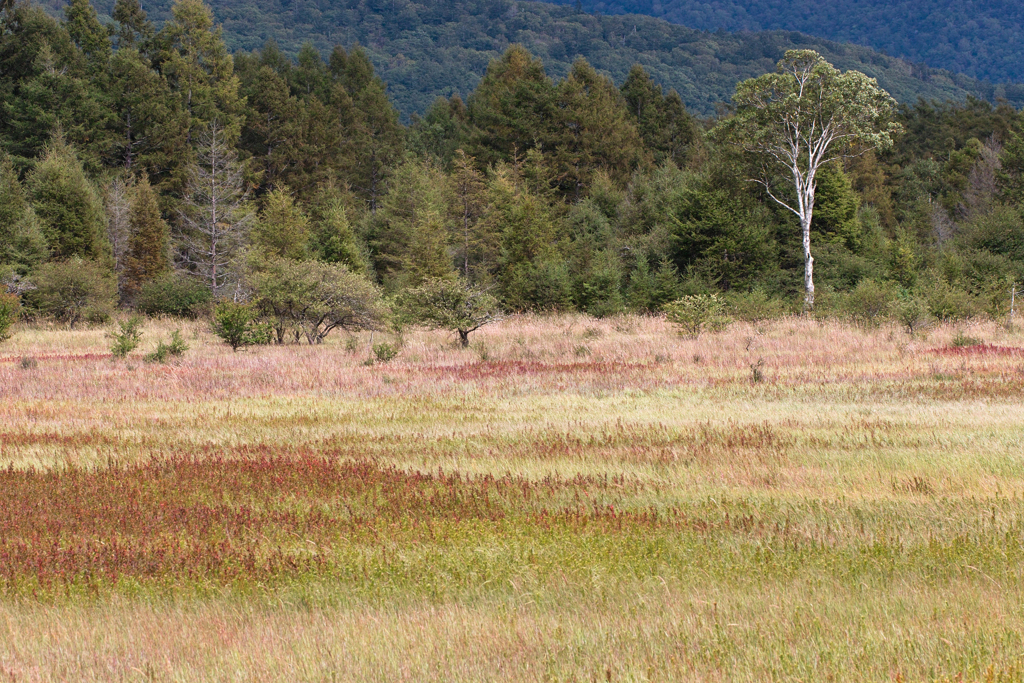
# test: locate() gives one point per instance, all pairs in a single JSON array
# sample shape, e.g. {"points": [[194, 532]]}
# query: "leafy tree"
{"points": [[317, 297], [451, 304], [67, 204], [801, 117], [73, 290]]}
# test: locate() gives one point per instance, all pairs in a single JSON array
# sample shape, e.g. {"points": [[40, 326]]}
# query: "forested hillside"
{"points": [[981, 38], [443, 47], [152, 170]]}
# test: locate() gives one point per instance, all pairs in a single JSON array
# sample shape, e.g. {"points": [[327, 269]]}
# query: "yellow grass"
{"points": [[880, 484]]}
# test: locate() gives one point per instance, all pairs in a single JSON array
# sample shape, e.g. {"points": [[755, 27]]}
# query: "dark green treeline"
{"points": [[165, 167]]}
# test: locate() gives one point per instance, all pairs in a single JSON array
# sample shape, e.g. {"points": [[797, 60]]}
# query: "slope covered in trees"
{"points": [[422, 50], [981, 38], [180, 174]]}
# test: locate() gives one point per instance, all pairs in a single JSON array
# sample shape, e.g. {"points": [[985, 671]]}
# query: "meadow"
{"points": [[569, 499]]}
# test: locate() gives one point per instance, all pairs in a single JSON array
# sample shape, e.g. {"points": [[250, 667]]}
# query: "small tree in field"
{"points": [[800, 118], [451, 304]]}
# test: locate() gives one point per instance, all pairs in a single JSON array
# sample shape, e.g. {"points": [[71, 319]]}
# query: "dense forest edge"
{"points": [[422, 51], [152, 170]]}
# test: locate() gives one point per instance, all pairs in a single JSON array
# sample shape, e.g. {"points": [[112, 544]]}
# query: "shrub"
{"points": [[385, 352], [176, 347], [946, 302], [10, 311], [450, 304], [126, 337], [696, 313], [755, 306], [237, 325], [868, 302], [174, 294], [73, 290], [911, 312]]}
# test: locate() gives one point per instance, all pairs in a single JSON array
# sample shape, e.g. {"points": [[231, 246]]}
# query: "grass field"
{"points": [[569, 499]]}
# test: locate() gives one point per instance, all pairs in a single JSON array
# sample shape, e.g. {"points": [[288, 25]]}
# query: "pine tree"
{"points": [[333, 240], [470, 204], [22, 244], [148, 127], [594, 132], [512, 108], [667, 129], [199, 70], [282, 228], [215, 214], [68, 205], [147, 256], [133, 27]]}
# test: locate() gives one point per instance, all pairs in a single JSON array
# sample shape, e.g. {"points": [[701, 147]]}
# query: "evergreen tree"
{"points": [[22, 244], [333, 240], [470, 195], [147, 256], [594, 132], [89, 35], [134, 30], [199, 70], [215, 214], [512, 108], [68, 205], [282, 228], [667, 129]]}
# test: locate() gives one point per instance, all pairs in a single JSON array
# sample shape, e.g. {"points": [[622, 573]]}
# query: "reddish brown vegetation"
{"points": [[979, 350]]}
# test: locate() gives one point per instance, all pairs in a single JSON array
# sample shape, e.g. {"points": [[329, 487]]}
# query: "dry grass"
{"points": [[568, 499]]}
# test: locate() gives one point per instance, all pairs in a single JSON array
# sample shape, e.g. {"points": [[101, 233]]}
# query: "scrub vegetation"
{"points": [[519, 509]]}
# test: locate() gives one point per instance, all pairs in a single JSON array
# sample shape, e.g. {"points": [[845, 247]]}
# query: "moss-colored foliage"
{"points": [[147, 256], [68, 204]]}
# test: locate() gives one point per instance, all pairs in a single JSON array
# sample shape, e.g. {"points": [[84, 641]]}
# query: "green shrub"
{"points": [[126, 337], [385, 352], [176, 347], [962, 339], [74, 290], [237, 325], [755, 306], [174, 294], [911, 312], [696, 313], [868, 303], [10, 311]]}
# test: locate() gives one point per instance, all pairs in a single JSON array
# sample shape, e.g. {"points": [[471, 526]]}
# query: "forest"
{"points": [[442, 48], [152, 170], [979, 38]]}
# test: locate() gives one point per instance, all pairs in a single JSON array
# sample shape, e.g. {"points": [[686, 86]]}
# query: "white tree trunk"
{"points": [[805, 224]]}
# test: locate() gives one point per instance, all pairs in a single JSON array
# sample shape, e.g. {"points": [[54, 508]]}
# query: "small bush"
{"points": [[28, 363], [696, 313], [10, 311], [237, 325], [755, 306], [174, 294], [176, 347], [911, 312], [74, 290], [126, 337], [961, 340], [385, 352], [868, 303], [756, 373]]}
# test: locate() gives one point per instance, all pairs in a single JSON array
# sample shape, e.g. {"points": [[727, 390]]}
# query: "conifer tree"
{"points": [[147, 256], [22, 244], [133, 27], [282, 228], [665, 126], [67, 203], [199, 69], [470, 195], [333, 240], [594, 132], [214, 214]]}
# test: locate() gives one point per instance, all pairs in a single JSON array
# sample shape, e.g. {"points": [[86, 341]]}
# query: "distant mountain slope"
{"points": [[441, 48], [980, 38]]}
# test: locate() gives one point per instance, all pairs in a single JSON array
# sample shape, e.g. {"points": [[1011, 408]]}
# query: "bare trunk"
{"points": [[464, 338], [808, 265]]}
